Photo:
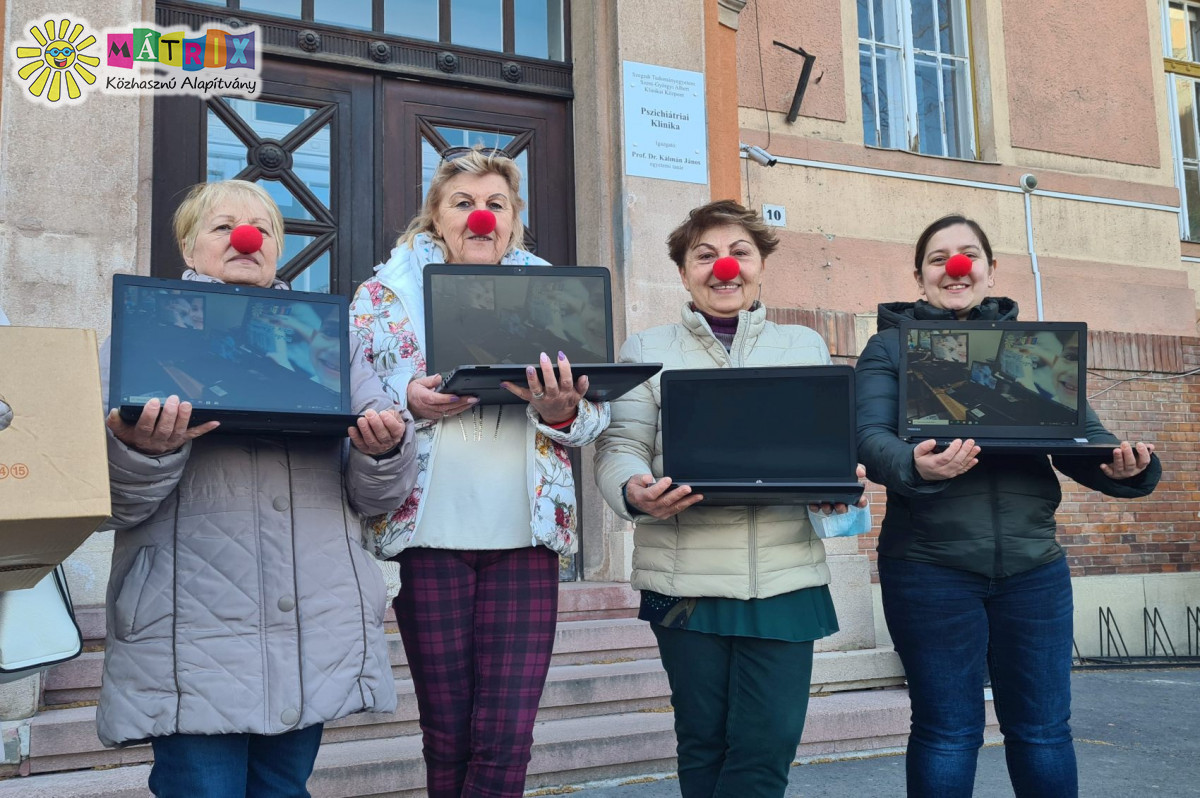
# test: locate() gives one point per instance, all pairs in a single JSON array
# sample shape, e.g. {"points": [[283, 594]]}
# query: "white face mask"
{"points": [[855, 521]]}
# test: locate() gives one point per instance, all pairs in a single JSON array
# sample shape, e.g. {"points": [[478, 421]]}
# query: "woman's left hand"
{"points": [[556, 399], [1128, 461], [377, 433], [826, 508]]}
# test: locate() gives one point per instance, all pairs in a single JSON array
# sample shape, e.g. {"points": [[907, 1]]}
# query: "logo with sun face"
{"points": [[58, 63]]}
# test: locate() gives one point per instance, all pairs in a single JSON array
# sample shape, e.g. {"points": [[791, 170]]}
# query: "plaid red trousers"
{"points": [[478, 629]]}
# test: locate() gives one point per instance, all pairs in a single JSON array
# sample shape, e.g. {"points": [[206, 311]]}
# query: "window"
{"points": [[533, 28], [1182, 50], [915, 67]]}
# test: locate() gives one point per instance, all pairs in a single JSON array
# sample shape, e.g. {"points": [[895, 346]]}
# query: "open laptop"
{"points": [[485, 323], [782, 435], [1012, 386], [255, 359]]}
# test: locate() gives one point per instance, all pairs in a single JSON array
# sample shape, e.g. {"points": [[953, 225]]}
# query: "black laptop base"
{"points": [[258, 422], [1058, 448], [607, 381], [789, 493]]}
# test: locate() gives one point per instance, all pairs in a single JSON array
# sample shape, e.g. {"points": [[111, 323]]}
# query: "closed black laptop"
{"points": [[1012, 386], [485, 323], [761, 435], [255, 359]]}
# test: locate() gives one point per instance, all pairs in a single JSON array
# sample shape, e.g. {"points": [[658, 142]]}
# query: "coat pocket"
{"points": [[140, 603]]}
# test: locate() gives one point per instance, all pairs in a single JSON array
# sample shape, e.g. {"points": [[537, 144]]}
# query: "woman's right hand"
{"points": [[160, 429], [657, 497], [425, 402], [957, 458]]}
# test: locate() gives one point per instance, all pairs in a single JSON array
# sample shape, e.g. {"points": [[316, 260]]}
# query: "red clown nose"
{"points": [[481, 222], [958, 265], [726, 268], [246, 239]]}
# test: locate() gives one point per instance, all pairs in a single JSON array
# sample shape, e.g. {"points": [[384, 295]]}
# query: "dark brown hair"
{"points": [[941, 224], [716, 214]]}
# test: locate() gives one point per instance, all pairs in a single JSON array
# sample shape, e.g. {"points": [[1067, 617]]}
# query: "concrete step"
{"points": [[577, 601], [576, 642], [65, 739], [566, 751]]}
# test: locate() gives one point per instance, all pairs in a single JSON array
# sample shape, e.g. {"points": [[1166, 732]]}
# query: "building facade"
{"points": [[880, 116]]}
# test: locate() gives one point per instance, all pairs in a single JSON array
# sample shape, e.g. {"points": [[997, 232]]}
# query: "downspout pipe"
{"points": [[1028, 184]]}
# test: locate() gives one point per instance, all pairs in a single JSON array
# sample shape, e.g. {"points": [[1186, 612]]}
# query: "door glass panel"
{"points": [[226, 152], [280, 8], [269, 120], [416, 19], [477, 23], [347, 13], [315, 277], [430, 158], [537, 27], [457, 137], [311, 163], [289, 205], [293, 244]]}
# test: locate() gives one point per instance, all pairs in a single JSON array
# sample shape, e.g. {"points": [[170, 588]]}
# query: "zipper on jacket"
{"points": [[998, 557], [753, 552]]}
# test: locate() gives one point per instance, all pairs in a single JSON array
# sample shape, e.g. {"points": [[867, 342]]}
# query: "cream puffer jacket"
{"points": [[730, 552]]}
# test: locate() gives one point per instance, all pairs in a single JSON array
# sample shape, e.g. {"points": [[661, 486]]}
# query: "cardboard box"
{"points": [[53, 454]]}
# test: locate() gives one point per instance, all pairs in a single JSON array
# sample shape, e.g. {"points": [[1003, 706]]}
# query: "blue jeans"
{"points": [[234, 765], [948, 626]]}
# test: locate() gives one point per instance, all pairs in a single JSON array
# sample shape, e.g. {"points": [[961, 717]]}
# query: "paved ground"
{"points": [[1137, 732]]}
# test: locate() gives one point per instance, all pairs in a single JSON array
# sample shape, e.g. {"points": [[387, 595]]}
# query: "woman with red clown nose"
{"points": [[479, 537], [973, 582], [243, 612], [736, 596]]}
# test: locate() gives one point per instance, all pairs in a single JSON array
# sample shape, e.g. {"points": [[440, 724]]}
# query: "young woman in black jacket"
{"points": [[973, 581]]}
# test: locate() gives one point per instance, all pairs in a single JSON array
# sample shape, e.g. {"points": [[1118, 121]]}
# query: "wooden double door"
{"points": [[348, 155]]}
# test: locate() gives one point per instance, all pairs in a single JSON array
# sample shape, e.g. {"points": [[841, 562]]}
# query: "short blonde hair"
{"points": [[479, 161], [203, 197]]}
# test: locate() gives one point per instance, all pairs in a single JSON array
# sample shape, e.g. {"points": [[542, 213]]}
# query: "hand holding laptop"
{"points": [[1129, 460], [656, 497], [554, 397], [958, 457], [424, 401], [160, 429], [839, 508], [377, 433]]}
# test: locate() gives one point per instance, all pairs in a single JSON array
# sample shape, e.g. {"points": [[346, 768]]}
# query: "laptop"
{"points": [[754, 436], [485, 323], [1016, 387], [256, 359]]}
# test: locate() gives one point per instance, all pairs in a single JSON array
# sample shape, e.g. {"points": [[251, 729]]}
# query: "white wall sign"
{"points": [[774, 214], [665, 127]]}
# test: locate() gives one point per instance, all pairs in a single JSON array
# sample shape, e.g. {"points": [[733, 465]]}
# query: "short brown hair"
{"points": [[479, 161], [716, 214], [203, 197]]}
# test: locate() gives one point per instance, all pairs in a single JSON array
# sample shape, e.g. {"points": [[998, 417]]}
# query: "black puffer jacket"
{"points": [[998, 518]]}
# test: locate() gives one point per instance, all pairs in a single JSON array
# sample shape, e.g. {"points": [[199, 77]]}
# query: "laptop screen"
{"points": [[993, 379], [224, 347], [773, 424], [484, 315]]}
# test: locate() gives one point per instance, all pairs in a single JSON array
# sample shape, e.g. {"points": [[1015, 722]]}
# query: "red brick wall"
{"points": [[1141, 388]]}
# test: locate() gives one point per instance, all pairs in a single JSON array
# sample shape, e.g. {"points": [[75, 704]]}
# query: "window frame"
{"points": [[1176, 70], [444, 8], [908, 53]]}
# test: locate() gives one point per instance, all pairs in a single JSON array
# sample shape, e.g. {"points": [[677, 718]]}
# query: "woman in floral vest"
{"points": [[479, 538]]}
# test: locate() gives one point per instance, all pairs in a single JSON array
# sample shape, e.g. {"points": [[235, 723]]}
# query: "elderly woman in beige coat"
{"points": [[243, 611], [735, 595]]}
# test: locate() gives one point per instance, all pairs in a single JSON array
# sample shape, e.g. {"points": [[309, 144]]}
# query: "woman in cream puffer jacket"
{"points": [[734, 595]]}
